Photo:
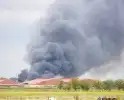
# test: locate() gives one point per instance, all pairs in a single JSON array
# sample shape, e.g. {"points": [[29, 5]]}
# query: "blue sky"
{"points": [[17, 17]]}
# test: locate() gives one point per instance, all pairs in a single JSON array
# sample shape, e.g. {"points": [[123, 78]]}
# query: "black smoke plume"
{"points": [[23, 75], [75, 36]]}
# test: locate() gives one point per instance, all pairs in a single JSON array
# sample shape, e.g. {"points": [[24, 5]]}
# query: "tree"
{"points": [[108, 85], [61, 84], [98, 85], [14, 79], [2, 78], [68, 86], [84, 86], [119, 84], [75, 84]]}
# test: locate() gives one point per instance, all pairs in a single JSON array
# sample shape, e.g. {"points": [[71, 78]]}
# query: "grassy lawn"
{"points": [[60, 95]]}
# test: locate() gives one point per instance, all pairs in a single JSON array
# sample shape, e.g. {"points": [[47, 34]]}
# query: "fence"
{"points": [[90, 97]]}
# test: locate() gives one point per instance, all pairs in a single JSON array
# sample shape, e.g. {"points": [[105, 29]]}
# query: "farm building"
{"points": [[66, 80], [41, 82], [7, 83]]}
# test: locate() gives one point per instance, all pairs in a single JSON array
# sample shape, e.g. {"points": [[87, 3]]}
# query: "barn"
{"points": [[42, 82], [7, 83]]}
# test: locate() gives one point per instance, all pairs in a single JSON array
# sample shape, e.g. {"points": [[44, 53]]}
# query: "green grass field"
{"points": [[60, 93], [38, 94]]}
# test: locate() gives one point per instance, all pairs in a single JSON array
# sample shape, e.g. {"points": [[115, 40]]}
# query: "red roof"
{"points": [[37, 81], [7, 82], [42, 81], [50, 82], [54, 81], [66, 80]]}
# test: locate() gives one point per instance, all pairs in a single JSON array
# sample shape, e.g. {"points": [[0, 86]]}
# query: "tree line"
{"points": [[76, 84]]}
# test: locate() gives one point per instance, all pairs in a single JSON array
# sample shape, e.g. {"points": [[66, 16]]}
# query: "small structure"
{"points": [[41, 82], [66, 80], [7, 83]]}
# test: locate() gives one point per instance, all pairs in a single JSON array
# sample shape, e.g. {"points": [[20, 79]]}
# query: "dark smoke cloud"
{"points": [[23, 75], [77, 35]]}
